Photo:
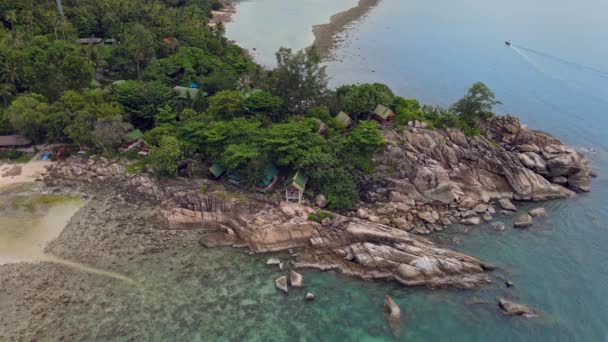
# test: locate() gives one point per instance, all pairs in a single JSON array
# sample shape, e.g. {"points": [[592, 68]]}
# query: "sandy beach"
{"points": [[11, 174], [224, 15], [326, 35]]}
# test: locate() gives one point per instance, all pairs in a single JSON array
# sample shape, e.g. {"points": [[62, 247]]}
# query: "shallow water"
{"points": [[262, 26], [27, 225]]}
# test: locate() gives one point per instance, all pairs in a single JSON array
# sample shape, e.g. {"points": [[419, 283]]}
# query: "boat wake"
{"points": [[581, 67]]}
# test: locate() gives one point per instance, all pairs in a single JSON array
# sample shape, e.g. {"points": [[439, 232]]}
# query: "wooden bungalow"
{"points": [[14, 141], [217, 170], [295, 186], [270, 178], [344, 119], [135, 139], [186, 92], [383, 115], [92, 40]]}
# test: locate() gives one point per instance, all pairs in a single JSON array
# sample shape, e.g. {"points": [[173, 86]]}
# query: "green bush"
{"points": [[319, 216]]}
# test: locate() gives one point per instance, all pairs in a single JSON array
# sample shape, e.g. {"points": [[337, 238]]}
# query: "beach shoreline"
{"points": [[327, 35]]}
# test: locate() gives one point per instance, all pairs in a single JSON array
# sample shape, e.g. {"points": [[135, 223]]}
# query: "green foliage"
{"points": [[14, 155], [154, 136], [476, 104], [165, 157], [299, 79], [360, 100], [225, 105], [319, 216], [362, 142], [263, 102], [165, 115], [292, 144], [321, 112], [28, 115], [141, 100]]}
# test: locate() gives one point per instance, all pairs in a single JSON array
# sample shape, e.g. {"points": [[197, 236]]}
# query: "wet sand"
{"points": [[12, 174], [327, 35]]}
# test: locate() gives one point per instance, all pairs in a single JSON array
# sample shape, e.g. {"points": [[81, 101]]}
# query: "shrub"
{"points": [[319, 216]]}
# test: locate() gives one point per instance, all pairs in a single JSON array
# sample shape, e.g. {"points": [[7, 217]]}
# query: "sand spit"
{"points": [[326, 35]]}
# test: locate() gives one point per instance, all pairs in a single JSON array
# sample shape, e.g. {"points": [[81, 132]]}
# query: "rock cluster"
{"points": [[510, 308], [433, 178]]}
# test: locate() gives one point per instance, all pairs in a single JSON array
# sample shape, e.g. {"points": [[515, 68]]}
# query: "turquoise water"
{"points": [[555, 77]]}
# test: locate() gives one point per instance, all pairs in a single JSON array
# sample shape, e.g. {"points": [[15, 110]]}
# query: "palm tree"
{"points": [[11, 17], [6, 90], [60, 11], [9, 72]]}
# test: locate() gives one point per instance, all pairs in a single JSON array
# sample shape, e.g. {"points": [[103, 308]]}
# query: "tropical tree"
{"points": [[166, 156], [226, 104], [476, 104], [27, 114], [299, 79]]}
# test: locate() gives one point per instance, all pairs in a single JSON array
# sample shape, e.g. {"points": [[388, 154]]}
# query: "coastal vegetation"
{"points": [[109, 67]]}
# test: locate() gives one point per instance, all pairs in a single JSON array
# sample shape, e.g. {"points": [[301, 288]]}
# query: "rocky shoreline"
{"points": [[426, 180]]}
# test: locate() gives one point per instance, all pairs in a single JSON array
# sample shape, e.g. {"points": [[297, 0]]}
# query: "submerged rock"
{"points": [[506, 204], [281, 284], [498, 226], [474, 220], [523, 221], [297, 280], [536, 212], [510, 308], [273, 261], [393, 313]]}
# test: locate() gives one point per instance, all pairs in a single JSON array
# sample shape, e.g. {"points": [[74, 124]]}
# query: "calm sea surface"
{"points": [[554, 77]]}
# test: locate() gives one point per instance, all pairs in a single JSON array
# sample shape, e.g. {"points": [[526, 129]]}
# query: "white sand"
{"points": [[29, 172]]}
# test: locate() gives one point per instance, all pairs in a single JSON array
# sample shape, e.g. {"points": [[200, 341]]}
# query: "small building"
{"points": [[14, 141], [93, 40], [295, 186], [270, 178], [344, 119], [135, 140], [217, 170], [383, 114], [186, 92], [109, 41]]}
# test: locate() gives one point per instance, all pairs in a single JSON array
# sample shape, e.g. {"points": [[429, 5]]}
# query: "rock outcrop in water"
{"points": [[431, 178]]}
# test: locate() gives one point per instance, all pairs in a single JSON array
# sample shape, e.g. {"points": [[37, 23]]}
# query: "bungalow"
{"points": [[186, 92], [93, 40], [383, 114], [270, 178], [135, 140], [217, 170], [344, 119], [295, 186], [13, 141]]}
